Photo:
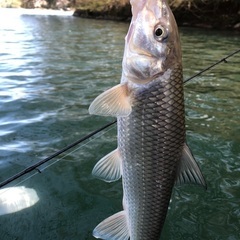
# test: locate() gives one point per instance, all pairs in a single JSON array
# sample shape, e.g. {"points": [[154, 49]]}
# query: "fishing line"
{"points": [[19, 183], [36, 165], [61, 159], [88, 136], [213, 65]]}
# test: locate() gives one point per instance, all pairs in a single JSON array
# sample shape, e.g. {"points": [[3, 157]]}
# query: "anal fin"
{"points": [[109, 168], [188, 170], [113, 228]]}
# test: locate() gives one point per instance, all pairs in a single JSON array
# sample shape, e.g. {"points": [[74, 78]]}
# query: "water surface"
{"points": [[51, 68]]}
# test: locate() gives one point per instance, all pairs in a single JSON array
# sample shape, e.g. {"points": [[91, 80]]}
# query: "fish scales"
{"points": [[150, 151]]}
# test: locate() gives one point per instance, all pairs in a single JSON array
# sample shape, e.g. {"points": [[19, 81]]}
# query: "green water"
{"points": [[51, 68]]}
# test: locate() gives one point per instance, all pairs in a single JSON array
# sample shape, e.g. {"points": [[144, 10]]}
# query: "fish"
{"points": [[152, 154]]}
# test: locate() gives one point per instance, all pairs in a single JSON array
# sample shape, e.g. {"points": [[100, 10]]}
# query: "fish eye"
{"points": [[159, 33]]}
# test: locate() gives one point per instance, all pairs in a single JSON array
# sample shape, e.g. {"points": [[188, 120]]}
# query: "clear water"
{"points": [[51, 68]]}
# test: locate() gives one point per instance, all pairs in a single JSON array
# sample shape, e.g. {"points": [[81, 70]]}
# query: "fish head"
{"points": [[152, 44]]}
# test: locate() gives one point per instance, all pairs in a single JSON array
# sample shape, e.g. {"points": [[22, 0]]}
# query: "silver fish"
{"points": [[149, 105]]}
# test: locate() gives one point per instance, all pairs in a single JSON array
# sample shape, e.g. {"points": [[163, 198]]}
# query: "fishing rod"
{"points": [[86, 137], [36, 165], [213, 65]]}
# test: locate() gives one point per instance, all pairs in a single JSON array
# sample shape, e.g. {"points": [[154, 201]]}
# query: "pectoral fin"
{"points": [[188, 170], [113, 228], [109, 168], [113, 102]]}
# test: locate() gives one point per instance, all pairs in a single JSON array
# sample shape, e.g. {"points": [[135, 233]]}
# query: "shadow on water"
{"points": [[53, 67]]}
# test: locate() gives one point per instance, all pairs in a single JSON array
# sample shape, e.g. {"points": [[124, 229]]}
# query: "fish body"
{"points": [[149, 105], [151, 141]]}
